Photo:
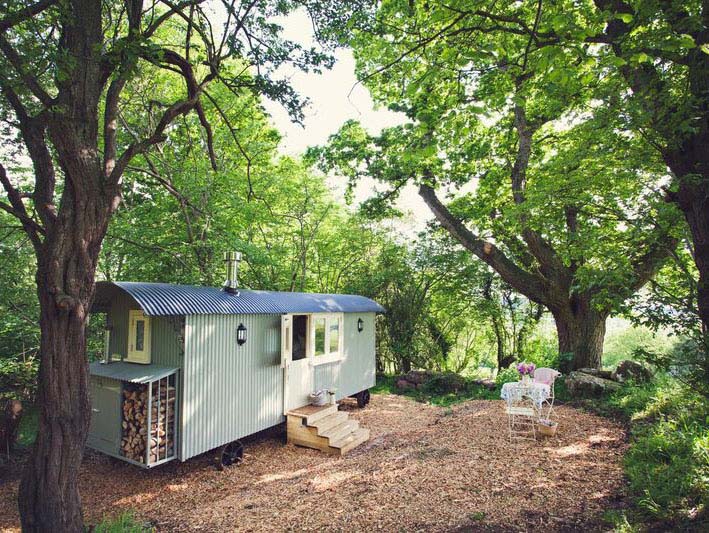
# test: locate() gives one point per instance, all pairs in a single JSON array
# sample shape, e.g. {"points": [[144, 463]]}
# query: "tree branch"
{"points": [[181, 107], [24, 14], [30, 81], [18, 210], [532, 286]]}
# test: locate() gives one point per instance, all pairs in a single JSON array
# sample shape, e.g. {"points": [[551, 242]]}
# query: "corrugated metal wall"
{"points": [[357, 372], [229, 391]]}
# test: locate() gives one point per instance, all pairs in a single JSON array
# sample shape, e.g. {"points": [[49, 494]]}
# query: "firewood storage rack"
{"points": [[149, 421], [138, 408]]}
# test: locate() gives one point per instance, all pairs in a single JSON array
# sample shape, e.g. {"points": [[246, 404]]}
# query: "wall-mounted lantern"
{"points": [[241, 334], [360, 325]]}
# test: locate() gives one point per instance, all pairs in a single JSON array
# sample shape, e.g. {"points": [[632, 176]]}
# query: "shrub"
{"points": [[446, 382], [18, 379], [688, 361], [506, 375]]}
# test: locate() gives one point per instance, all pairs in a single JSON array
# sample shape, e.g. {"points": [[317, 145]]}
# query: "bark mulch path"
{"points": [[424, 468]]}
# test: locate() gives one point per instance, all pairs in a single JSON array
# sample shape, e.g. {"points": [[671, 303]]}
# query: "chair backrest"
{"points": [[546, 375]]}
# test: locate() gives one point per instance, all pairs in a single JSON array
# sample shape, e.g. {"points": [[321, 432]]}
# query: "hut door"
{"points": [[298, 372]]}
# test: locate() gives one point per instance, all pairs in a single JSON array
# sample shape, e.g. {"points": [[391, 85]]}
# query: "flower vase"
{"points": [[526, 379]]}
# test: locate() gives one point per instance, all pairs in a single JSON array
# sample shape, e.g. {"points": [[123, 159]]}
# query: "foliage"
{"points": [[687, 361], [18, 379], [124, 523], [544, 178], [668, 461], [507, 375], [27, 432], [436, 393], [625, 341]]}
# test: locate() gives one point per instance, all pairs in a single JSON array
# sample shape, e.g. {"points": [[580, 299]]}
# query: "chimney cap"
{"points": [[232, 260]]}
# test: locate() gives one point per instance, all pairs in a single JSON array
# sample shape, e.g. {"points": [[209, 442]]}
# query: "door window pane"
{"points": [[334, 335], [140, 335], [319, 336], [300, 334]]}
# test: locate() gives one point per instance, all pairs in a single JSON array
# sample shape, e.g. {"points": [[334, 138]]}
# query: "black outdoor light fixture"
{"points": [[360, 325], [241, 334]]}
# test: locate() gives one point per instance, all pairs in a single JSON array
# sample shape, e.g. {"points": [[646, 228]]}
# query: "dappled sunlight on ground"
{"points": [[424, 468], [578, 448], [268, 478]]}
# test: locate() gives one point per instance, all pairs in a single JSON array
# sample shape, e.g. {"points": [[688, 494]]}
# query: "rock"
{"points": [[417, 376], [581, 384], [446, 382], [403, 384], [605, 374], [631, 370]]}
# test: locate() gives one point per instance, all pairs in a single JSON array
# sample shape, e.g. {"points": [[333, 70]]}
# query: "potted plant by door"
{"points": [[319, 398]]}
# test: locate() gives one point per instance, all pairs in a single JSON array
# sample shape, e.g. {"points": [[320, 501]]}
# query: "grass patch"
{"points": [[123, 523], [667, 464]]}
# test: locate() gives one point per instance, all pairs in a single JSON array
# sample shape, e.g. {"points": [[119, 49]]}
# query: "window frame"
{"points": [[328, 356], [143, 356]]}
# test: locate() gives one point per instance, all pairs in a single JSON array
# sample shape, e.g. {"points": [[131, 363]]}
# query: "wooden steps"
{"points": [[325, 428]]}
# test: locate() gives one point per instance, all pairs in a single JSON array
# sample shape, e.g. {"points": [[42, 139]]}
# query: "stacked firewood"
{"points": [[135, 421], [162, 421]]}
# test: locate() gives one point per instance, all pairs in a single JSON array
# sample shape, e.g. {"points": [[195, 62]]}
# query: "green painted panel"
{"points": [[121, 303], [105, 428]]}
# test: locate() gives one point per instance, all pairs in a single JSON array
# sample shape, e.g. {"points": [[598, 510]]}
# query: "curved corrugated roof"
{"points": [[164, 299]]}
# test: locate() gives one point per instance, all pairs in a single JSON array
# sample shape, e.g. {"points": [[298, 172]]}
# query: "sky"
{"points": [[335, 97]]}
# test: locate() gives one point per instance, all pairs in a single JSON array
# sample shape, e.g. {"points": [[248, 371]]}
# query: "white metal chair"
{"points": [[522, 416], [547, 376]]}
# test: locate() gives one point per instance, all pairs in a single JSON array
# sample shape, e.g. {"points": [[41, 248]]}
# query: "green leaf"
{"points": [[625, 17], [641, 57], [686, 41]]}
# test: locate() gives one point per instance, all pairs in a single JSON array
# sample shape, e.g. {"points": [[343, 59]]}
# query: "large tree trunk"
{"points": [[66, 265], [581, 330], [49, 497], [693, 199]]}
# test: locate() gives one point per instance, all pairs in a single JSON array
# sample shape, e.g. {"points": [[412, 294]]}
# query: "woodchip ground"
{"points": [[425, 468]]}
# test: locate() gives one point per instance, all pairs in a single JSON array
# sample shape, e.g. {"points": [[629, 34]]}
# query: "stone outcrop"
{"points": [[631, 370], [581, 384]]}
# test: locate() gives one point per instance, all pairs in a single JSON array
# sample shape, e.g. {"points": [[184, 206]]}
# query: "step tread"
{"points": [[341, 430], [312, 413], [335, 419], [358, 436]]}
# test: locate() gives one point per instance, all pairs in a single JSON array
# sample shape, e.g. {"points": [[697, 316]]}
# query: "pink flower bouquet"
{"points": [[526, 369]]}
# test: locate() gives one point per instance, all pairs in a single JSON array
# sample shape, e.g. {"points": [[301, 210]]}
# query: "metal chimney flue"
{"points": [[232, 260]]}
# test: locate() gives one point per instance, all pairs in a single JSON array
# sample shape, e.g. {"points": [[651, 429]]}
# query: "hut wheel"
{"points": [[229, 454], [362, 398]]}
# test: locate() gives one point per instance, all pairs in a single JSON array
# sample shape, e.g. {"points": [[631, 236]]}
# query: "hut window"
{"points": [[319, 336], [327, 338], [335, 336], [138, 337]]}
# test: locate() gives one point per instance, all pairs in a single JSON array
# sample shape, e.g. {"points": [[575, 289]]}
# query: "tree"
{"points": [[653, 56], [64, 69], [549, 176]]}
